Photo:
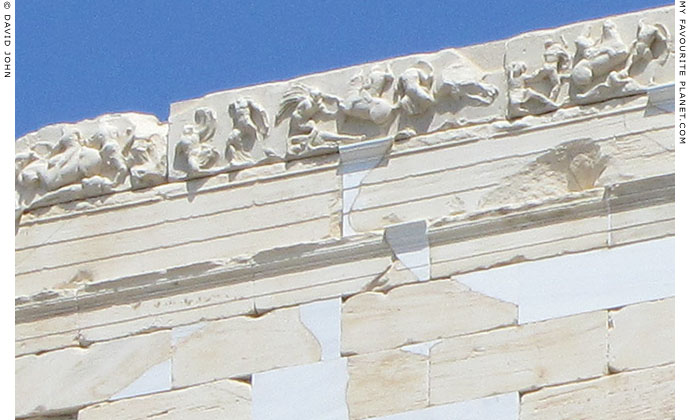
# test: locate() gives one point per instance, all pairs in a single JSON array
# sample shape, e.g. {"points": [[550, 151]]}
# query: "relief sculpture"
{"points": [[369, 100], [462, 81], [365, 98], [603, 59], [606, 68], [74, 163], [651, 43], [194, 151], [414, 88], [146, 159], [601, 68], [71, 161], [538, 93], [303, 105], [250, 127]]}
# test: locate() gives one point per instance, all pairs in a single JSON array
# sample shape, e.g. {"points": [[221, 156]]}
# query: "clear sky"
{"points": [[78, 59]]}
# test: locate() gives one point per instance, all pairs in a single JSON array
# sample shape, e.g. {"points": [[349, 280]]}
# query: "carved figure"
{"points": [[27, 166], [145, 160], [364, 101], [598, 58], [303, 104], [604, 59], [522, 99], [70, 168], [413, 90], [250, 125], [74, 161], [650, 43], [556, 62], [463, 80], [537, 93], [111, 153], [197, 155]]}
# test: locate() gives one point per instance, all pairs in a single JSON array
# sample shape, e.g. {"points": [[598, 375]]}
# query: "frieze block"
{"points": [[313, 115], [71, 161], [587, 63]]}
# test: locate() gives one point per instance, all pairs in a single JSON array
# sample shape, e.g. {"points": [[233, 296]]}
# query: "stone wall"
{"points": [[483, 232]]}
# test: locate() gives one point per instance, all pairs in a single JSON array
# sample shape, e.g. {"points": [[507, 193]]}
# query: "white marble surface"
{"points": [[323, 320], [572, 284], [410, 245], [315, 391]]}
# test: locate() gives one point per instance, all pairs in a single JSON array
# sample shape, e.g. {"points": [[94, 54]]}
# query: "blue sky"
{"points": [[79, 59]]}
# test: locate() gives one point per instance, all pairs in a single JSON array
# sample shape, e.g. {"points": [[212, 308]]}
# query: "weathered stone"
{"points": [[387, 382], [640, 395], [65, 162], [519, 245], [518, 358], [158, 236], [146, 208], [512, 153], [240, 346], [587, 62], [528, 167], [224, 399], [154, 260], [498, 407], [414, 313], [46, 334], [75, 377], [642, 224], [307, 285], [642, 335]]}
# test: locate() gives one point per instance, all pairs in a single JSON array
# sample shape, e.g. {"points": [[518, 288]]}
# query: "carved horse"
{"points": [[463, 80]]}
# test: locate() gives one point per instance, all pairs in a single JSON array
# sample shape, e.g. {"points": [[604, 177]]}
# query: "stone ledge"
{"points": [[597, 202]]}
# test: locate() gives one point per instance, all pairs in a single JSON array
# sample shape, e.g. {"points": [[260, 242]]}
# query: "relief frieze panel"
{"points": [[538, 73], [315, 114], [65, 162], [587, 63]]}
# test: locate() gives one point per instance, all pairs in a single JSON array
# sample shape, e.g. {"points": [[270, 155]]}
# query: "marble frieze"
{"points": [[556, 72]]}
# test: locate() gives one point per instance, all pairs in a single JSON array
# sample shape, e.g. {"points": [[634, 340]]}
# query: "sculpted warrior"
{"points": [[111, 154], [556, 64]]}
